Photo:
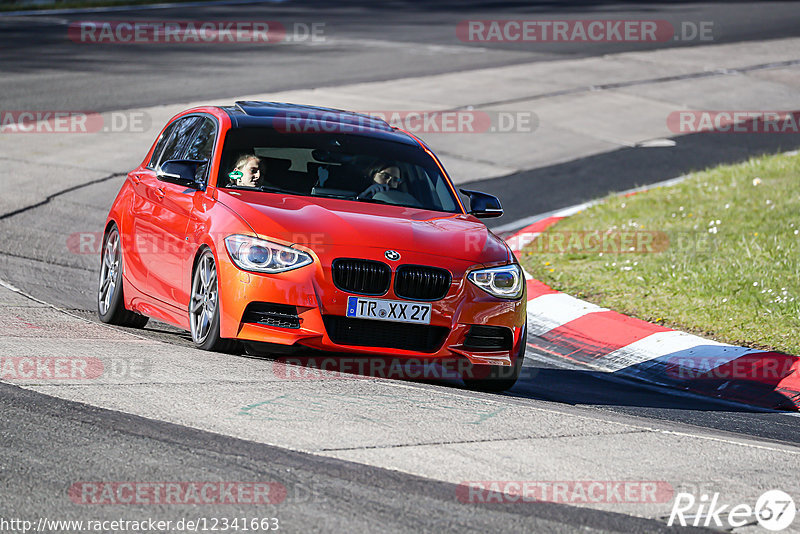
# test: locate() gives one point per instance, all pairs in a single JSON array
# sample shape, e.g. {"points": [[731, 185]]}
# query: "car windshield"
{"points": [[344, 166]]}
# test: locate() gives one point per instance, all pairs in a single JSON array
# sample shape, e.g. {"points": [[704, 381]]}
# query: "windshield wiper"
{"points": [[273, 189], [375, 201], [340, 197], [262, 189]]}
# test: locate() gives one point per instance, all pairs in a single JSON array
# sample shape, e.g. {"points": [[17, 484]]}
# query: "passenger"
{"points": [[385, 177], [246, 172]]}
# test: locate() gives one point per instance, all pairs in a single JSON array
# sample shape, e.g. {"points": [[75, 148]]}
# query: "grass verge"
{"points": [[716, 255]]}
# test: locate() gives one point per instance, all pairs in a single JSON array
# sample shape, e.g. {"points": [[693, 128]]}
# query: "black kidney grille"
{"points": [[488, 338], [361, 276], [418, 282], [279, 315], [368, 333]]}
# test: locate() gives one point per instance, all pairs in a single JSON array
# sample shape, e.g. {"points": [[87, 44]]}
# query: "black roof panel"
{"points": [[296, 118]]}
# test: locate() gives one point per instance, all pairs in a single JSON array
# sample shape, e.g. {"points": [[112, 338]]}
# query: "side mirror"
{"points": [[182, 172], [482, 205]]}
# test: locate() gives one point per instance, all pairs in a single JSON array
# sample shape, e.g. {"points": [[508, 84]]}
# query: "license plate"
{"points": [[389, 310]]}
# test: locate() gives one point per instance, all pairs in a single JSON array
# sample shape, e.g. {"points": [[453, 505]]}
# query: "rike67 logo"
{"points": [[774, 510]]}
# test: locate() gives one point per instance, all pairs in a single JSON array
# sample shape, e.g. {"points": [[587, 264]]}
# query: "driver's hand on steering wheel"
{"points": [[372, 190]]}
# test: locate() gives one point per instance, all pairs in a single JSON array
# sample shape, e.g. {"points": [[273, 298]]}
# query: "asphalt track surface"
{"points": [[48, 443], [365, 41], [82, 443], [44, 70]]}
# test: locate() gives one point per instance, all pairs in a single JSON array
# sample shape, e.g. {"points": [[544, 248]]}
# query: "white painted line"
{"points": [[572, 210], [527, 221], [750, 444], [656, 143], [27, 295], [550, 311], [429, 48], [673, 347], [17, 290]]}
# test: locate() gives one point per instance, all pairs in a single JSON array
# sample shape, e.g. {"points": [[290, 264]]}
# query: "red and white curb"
{"points": [[566, 327]]}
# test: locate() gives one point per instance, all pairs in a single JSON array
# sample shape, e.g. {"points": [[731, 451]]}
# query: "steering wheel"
{"points": [[372, 190]]}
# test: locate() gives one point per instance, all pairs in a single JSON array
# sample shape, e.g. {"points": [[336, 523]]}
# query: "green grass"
{"points": [[730, 269]]}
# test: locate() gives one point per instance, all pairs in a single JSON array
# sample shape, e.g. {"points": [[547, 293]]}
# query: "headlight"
{"points": [[253, 254], [504, 282]]}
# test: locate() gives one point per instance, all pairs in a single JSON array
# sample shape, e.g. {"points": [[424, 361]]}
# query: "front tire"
{"points": [[110, 300], [496, 378], [204, 307]]}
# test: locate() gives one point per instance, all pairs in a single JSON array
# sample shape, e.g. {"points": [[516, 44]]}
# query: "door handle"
{"points": [[159, 193], [136, 179]]}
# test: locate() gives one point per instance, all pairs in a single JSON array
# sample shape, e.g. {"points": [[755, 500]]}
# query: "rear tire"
{"points": [[110, 300], [497, 378], [204, 307]]}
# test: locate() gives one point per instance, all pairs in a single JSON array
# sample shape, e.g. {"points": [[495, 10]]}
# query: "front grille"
{"points": [[488, 338], [367, 333], [279, 315], [361, 276], [417, 282]]}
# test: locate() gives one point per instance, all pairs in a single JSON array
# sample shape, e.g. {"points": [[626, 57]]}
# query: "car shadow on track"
{"points": [[538, 380], [541, 385], [609, 393], [587, 387]]}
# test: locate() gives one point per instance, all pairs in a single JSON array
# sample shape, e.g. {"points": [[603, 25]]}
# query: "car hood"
{"points": [[322, 221]]}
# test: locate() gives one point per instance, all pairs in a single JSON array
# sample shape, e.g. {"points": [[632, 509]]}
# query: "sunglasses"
{"points": [[389, 176]]}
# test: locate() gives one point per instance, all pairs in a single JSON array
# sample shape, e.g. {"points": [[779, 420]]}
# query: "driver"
{"points": [[384, 178], [246, 172]]}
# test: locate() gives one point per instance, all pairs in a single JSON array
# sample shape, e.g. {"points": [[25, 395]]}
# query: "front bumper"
{"points": [[311, 291]]}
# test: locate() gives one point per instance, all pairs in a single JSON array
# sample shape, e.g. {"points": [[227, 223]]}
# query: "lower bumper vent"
{"points": [[280, 315], [368, 333], [488, 338]]}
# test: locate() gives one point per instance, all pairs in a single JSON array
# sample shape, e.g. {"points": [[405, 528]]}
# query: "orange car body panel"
{"points": [[163, 228]]}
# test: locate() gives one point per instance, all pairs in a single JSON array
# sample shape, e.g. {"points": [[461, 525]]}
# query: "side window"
{"points": [[178, 137], [201, 145], [203, 141], [160, 145]]}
